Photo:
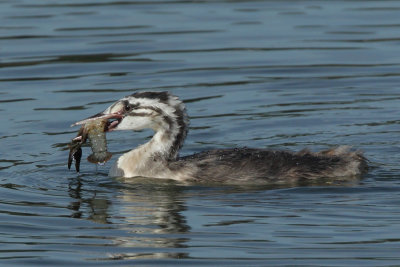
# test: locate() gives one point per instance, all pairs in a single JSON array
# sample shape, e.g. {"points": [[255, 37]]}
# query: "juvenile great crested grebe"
{"points": [[158, 158]]}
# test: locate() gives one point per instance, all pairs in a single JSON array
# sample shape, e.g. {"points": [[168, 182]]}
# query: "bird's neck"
{"points": [[163, 146], [153, 156]]}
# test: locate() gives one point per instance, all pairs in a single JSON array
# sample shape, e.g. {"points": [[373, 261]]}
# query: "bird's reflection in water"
{"points": [[149, 212], [88, 201]]}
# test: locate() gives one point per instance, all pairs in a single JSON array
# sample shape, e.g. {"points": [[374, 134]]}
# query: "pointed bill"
{"points": [[98, 116]]}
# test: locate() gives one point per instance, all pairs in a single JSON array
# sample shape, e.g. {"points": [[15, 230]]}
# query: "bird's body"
{"points": [[159, 158]]}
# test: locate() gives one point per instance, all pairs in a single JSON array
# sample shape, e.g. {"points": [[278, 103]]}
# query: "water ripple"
{"points": [[269, 74]]}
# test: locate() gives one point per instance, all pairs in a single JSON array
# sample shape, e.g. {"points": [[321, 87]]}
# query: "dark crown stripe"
{"points": [[161, 96]]}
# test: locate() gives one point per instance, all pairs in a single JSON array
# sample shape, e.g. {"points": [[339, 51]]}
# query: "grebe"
{"points": [[159, 158]]}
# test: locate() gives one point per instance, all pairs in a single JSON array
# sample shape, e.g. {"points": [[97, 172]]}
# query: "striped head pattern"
{"points": [[159, 111]]}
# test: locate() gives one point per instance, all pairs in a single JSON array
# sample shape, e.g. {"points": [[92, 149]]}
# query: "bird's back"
{"points": [[242, 165]]}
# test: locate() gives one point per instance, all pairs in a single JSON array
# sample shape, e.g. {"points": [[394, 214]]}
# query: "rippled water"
{"points": [[279, 74]]}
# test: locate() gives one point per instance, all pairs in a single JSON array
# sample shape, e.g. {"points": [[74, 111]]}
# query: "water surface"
{"points": [[272, 74]]}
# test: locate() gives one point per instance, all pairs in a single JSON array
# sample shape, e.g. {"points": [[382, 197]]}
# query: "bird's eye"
{"points": [[127, 107]]}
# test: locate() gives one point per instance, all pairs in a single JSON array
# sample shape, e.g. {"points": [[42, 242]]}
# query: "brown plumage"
{"points": [[244, 165]]}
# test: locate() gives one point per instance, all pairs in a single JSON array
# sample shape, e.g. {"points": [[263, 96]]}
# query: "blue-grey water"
{"points": [[271, 74]]}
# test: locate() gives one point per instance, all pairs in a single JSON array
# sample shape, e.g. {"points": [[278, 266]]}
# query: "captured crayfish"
{"points": [[95, 130]]}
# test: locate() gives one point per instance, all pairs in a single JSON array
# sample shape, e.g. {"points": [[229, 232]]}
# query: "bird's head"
{"points": [[154, 110]]}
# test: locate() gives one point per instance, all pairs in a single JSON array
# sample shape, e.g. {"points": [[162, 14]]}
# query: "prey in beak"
{"points": [[125, 114], [93, 128]]}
